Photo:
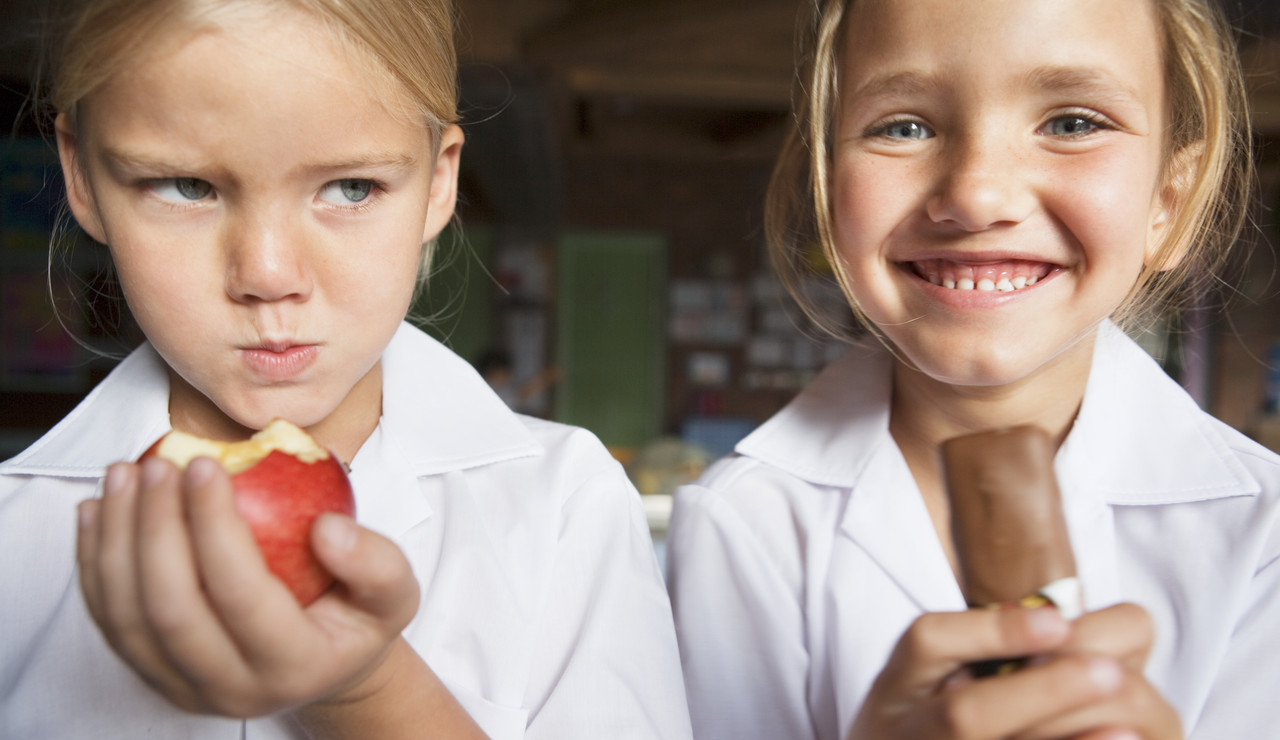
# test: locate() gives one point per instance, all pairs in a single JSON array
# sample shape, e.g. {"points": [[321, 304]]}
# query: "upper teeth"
{"points": [[1003, 285], [1004, 278]]}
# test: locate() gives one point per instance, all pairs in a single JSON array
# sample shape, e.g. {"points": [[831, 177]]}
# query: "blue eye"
{"points": [[1071, 126], [904, 130], [181, 189], [346, 192]]}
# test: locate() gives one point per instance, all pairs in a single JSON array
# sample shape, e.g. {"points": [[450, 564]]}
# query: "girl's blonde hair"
{"points": [[408, 42], [1207, 156]]}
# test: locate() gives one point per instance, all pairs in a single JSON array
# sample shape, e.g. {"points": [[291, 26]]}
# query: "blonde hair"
{"points": [[1206, 149], [409, 42]]}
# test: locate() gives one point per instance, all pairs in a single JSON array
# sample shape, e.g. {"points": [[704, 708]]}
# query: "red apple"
{"points": [[283, 480]]}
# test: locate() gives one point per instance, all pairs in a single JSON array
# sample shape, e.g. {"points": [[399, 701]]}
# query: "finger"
{"points": [[1109, 733], [1003, 706], [938, 644], [88, 542], [186, 631], [251, 603], [374, 574], [1124, 632], [1135, 707], [119, 614], [110, 575]]}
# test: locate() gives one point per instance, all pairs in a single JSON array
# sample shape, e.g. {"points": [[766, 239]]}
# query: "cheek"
{"points": [[152, 283], [870, 198], [851, 216], [871, 207], [1106, 205], [378, 267]]}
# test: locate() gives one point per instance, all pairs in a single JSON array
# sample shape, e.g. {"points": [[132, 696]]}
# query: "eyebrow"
{"points": [[1081, 80], [118, 160], [373, 162], [1078, 80], [898, 84]]}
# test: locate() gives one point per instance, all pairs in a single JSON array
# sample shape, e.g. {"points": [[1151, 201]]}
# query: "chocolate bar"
{"points": [[1010, 536]]}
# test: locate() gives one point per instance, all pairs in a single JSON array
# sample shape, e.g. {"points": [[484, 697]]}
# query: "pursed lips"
{"points": [[278, 361]]}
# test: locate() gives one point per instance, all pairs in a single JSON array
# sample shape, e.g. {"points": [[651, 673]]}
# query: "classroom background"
{"points": [[609, 244]]}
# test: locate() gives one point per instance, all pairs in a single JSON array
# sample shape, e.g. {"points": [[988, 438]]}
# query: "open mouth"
{"points": [[1004, 277]]}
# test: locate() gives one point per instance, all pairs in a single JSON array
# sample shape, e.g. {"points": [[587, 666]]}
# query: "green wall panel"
{"points": [[611, 334]]}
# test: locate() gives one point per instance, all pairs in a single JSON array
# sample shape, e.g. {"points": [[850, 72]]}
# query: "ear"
{"points": [[1170, 202], [444, 183], [79, 194]]}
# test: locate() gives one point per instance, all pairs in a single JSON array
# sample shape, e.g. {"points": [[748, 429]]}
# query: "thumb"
{"points": [[374, 575]]}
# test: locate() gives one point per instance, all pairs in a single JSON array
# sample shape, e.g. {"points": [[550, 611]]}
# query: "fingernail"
{"points": [[201, 469], [153, 470], [86, 512], [339, 531], [1047, 623], [113, 483], [1105, 674]]}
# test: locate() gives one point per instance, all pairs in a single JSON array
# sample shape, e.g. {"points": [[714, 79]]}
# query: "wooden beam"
{"points": [[695, 88], [739, 36]]}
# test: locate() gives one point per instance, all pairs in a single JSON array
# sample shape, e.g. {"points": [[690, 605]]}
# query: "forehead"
{"points": [[252, 95], [248, 22], [962, 42]]}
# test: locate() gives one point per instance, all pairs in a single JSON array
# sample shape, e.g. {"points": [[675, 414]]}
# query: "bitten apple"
{"points": [[283, 480]]}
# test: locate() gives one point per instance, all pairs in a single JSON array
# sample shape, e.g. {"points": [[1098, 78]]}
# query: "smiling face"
{"points": [[265, 209], [996, 177]]}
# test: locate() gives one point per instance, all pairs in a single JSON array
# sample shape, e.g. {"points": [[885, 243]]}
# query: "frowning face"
{"points": [[265, 210]]}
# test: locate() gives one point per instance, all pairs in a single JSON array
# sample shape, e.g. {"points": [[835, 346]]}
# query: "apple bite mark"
{"points": [[282, 480], [1004, 276], [181, 448]]}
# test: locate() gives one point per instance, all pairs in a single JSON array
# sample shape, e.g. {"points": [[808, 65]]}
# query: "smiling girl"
{"points": [[268, 177], [999, 186]]}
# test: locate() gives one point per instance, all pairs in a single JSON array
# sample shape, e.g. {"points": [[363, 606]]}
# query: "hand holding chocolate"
{"points": [[1010, 536]]}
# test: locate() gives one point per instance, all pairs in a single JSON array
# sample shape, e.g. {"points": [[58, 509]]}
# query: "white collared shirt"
{"points": [[796, 564], [542, 609]]}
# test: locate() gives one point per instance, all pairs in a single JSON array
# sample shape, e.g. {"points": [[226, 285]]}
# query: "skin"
{"points": [[1086, 684], [265, 209], [970, 138], [971, 167], [228, 220]]}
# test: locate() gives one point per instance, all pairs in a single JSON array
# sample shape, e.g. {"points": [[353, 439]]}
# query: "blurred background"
{"points": [[608, 267]]}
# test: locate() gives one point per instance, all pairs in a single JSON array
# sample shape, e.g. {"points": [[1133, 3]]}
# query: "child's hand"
{"points": [[1088, 686], [176, 583], [1136, 709]]}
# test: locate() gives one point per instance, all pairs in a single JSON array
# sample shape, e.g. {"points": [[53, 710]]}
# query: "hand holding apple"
{"points": [[171, 574], [282, 480]]}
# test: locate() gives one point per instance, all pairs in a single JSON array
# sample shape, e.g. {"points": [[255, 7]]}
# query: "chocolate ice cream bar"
{"points": [[1006, 520]]}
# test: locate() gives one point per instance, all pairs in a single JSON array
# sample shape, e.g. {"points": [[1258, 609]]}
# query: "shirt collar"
{"points": [[828, 433], [438, 415], [118, 420], [1138, 439]]}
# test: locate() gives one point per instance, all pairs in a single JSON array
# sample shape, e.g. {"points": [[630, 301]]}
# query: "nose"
{"points": [[266, 258], [984, 182]]}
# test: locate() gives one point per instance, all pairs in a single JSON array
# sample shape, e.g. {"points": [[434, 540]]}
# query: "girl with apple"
{"points": [[268, 176], [998, 186]]}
